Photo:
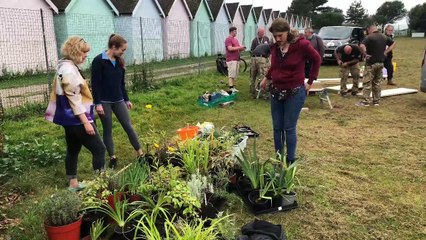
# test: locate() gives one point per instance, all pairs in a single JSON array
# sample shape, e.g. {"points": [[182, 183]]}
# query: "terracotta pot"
{"points": [[133, 197], [118, 197], [69, 232]]}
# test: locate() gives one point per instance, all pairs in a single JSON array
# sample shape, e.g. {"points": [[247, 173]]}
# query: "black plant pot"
{"points": [[88, 219], [257, 203], [175, 160], [147, 158], [244, 186], [215, 201], [126, 233]]}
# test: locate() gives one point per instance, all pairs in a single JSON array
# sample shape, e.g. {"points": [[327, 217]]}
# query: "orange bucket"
{"points": [[187, 132]]}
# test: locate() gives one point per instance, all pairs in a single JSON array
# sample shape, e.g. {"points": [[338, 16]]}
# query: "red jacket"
{"points": [[289, 71]]}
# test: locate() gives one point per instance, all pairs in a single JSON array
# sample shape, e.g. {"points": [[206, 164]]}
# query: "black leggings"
{"points": [[76, 137]]}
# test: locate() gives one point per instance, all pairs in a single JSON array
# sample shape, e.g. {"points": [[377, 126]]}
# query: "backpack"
{"points": [[262, 230], [221, 64]]}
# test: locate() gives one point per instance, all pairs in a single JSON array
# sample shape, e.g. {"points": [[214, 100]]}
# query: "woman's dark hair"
{"points": [[281, 25], [116, 40]]}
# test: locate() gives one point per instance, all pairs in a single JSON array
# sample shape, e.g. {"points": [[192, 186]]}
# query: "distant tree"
{"points": [[417, 18], [356, 13], [306, 7], [333, 17], [389, 12]]}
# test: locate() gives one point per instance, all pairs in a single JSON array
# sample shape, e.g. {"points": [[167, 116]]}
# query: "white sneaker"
{"points": [[234, 90]]}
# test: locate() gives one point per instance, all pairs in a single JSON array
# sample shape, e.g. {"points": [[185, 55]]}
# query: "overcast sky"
{"points": [[370, 5]]}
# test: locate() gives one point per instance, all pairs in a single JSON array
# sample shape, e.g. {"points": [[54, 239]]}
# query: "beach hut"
{"points": [[201, 42], [140, 22], [176, 28], [220, 25], [27, 36], [250, 26], [93, 20]]}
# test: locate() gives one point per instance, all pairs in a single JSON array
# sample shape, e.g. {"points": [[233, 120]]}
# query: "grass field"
{"points": [[363, 174]]}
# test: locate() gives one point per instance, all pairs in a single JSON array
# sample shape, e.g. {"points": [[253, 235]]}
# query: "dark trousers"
{"points": [[285, 114], [122, 114], [76, 137], [307, 68], [389, 67]]}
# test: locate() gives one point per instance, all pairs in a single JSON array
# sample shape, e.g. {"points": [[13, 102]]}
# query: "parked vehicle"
{"points": [[423, 75], [336, 36]]}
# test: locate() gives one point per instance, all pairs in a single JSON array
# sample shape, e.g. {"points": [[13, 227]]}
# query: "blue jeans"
{"points": [[285, 114]]}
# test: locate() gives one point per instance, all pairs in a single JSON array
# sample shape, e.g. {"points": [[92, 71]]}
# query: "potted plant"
{"points": [[151, 224], [62, 216], [254, 170], [183, 230], [96, 231], [180, 198], [195, 155], [132, 178], [284, 180], [120, 215]]}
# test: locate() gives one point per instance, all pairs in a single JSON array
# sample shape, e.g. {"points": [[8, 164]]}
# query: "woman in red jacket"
{"points": [[288, 89]]}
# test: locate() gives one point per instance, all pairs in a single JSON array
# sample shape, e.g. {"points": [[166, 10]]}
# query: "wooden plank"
{"points": [[395, 92], [337, 88]]}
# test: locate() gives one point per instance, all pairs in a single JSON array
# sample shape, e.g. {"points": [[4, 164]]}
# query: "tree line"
{"points": [[356, 14]]}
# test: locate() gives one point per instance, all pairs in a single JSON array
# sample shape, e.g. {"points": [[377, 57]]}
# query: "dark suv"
{"points": [[336, 36]]}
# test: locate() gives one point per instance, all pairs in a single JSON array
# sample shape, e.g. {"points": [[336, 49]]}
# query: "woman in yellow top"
{"points": [[71, 106]]}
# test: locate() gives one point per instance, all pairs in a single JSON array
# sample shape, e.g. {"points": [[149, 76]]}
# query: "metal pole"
{"points": [[45, 51], [142, 48], [198, 47]]}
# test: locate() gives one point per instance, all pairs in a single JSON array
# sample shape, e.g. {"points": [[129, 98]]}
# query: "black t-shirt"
{"points": [[375, 44], [355, 54]]}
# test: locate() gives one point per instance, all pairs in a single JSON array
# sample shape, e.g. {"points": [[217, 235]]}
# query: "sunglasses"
{"points": [[82, 40]]}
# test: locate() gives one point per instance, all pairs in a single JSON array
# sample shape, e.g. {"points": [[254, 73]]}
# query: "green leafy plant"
{"points": [[133, 177], [97, 229], [226, 227], [252, 167], [62, 208], [196, 230], [195, 155], [117, 212], [284, 176], [40, 152], [98, 189], [142, 78], [148, 222], [160, 179], [180, 197]]}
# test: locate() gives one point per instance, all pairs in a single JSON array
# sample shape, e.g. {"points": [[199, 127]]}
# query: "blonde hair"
{"points": [[73, 49]]}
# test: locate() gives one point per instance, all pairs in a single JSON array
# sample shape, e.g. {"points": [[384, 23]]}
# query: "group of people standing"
{"points": [[72, 104], [376, 49], [284, 65]]}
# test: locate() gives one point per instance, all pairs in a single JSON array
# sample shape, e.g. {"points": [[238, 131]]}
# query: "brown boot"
{"points": [[391, 83]]}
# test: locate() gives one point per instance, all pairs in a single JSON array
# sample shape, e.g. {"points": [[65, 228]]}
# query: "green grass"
{"points": [[20, 80], [363, 174]]}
